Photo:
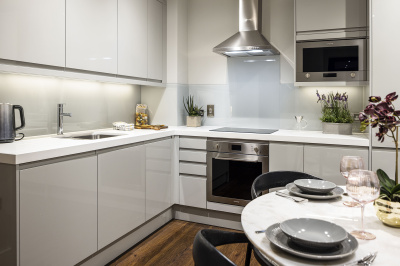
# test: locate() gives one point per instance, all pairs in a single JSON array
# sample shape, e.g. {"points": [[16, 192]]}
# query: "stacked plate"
{"points": [[312, 238], [314, 189]]}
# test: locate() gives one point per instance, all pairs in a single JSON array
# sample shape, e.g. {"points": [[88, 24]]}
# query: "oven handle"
{"points": [[237, 157]]}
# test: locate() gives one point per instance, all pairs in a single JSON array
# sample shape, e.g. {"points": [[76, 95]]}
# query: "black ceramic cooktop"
{"points": [[245, 130]]}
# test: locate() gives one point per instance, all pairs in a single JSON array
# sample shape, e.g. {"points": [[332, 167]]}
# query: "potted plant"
{"points": [[383, 115], [336, 117], [194, 112]]}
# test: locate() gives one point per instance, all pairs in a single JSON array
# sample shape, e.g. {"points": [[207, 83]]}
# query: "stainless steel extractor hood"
{"points": [[248, 41]]}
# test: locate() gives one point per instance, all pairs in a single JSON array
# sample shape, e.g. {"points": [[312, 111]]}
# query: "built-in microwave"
{"points": [[332, 60]]}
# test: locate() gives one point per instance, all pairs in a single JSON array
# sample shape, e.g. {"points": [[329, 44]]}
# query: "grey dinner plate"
{"points": [[315, 186], [336, 192], [282, 241]]}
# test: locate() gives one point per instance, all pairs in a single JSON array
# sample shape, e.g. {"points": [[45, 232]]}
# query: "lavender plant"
{"points": [[383, 114], [335, 108]]}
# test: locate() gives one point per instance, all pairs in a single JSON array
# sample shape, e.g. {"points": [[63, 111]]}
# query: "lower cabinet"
{"points": [[158, 177], [324, 161], [193, 191], [285, 157], [58, 212], [121, 192], [384, 159]]}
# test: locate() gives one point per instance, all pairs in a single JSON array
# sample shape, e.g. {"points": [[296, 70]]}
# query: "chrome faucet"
{"points": [[60, 115]]}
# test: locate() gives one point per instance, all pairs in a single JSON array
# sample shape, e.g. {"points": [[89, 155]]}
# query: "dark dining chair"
{"points": [[276, 179]]}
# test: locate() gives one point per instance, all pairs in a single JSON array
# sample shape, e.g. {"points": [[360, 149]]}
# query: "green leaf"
{"points": [[385, 180], [395, 189]]}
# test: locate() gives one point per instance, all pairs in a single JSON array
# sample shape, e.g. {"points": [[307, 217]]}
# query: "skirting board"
{"points": [[107, 254], [210, 217]]}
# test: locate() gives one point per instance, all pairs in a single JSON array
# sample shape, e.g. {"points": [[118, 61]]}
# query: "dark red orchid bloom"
{"points": [[370, 109], [391, 97], [374, 99]]}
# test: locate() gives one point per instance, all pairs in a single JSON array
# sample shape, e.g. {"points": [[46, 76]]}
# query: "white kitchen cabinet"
{"points": [[314, 15], [92, 35], [193, 168], [121, 190], [193, 191], [33, 31], [193, 143], [132, 38], [384, 159], [158, 177], [155, 40], [58, 212], [193, 156], [324, 161], [285, 157]]}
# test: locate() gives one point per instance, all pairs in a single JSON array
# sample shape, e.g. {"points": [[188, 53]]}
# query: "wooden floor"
{"points": [[172, 245]]}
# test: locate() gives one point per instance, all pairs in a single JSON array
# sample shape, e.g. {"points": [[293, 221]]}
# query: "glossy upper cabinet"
{"points": [[91, 35], [58, 212], [155, 40], [33, 31], [132, 38], [121, 192], [158, 177], [285, 157]]}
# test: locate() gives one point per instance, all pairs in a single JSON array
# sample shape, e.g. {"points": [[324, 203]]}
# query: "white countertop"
{"points": [[47, 147]]}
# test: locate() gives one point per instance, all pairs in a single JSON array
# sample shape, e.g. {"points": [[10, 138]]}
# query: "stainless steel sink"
{"points": [[90, 136]]}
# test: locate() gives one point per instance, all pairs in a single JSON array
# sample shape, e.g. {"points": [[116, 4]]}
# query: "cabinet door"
{"points": [[384, 159], [33, 31], [158, 177], [58, 212], [314, 15], [285, 157], [193, 191], [132, 38], [91, 35], [155, 40], [121, 192], [324, 161]]}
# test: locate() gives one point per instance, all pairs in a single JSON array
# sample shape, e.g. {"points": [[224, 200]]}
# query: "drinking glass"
{"points": [[347, 164], [363, 186]]}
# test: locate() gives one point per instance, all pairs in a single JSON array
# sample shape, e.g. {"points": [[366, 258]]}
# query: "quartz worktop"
{"points": [[51, 146]]}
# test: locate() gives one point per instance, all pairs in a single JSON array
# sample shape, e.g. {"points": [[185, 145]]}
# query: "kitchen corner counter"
{"points": [[47, 147]]}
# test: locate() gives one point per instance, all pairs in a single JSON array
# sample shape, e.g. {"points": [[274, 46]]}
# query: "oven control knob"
{"points": [[308, 75], [352, 74], [217, 146], [256, 150]]}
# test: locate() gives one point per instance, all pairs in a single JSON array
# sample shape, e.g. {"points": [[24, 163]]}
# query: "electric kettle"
{"points": [[7, 122]]}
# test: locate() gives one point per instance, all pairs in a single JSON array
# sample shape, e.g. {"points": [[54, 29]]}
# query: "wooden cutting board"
{"points": [[154, 127]]}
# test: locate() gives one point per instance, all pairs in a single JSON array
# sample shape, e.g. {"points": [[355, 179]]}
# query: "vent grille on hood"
{"points": [[248, 41]]}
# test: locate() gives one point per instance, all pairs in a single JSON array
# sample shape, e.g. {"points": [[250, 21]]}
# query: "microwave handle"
{"points": [[237, 157]]}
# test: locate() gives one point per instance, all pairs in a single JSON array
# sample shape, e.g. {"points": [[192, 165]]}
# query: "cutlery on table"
{"points": [[366, 261], [295, 199], [260, 231]]}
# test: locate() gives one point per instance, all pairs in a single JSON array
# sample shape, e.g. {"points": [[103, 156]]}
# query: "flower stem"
{"points": [[396, 142]]}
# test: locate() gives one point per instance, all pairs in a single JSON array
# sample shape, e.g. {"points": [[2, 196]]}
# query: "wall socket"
{"points": [[210, 110]]}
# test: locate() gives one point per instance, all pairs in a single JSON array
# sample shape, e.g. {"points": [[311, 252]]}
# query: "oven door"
{"points": [[337, 60], [230, 176]]}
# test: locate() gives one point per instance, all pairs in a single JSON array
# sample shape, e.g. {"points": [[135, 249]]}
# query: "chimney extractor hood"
{"points": [[248, 41]]}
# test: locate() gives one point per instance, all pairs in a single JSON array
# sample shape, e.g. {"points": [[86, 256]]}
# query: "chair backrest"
{"points": [[276, 179], [204, 251]]}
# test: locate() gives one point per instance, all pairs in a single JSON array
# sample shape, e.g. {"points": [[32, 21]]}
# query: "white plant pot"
{"points": [[337, 128], [193, 121]]}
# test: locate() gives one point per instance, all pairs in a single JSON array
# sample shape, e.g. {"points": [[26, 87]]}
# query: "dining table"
{"points": [[270, 209]]}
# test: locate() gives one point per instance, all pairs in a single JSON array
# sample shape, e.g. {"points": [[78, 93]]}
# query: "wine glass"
{"points": [[347, 164], [363, 186]]}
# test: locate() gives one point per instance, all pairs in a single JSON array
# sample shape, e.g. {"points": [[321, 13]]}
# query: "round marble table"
{"points": [[270, 209]]}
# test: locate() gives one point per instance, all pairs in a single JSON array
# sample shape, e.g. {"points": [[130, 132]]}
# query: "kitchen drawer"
{"points": [[193, 191], [193, 143], [192, 156], [193, 168]]}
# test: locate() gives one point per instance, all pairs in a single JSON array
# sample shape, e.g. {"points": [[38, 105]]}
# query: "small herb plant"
{"points": [[191, 108], [335, 108], [383, 114]]}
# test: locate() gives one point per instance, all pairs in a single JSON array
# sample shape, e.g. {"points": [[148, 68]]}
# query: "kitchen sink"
{"points": [[90, 136]]}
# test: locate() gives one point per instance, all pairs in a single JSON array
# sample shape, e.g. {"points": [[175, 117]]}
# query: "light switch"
{"points": [[210, 110]]}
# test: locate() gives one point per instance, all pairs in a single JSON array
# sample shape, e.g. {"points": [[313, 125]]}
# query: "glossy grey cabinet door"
{"points": [[384, 159], [158, 177], [58, 212], [121, 191], [324, 161], [285, 157], [155, 40]]}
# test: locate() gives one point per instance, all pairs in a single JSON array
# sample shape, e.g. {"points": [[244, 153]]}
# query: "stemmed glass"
{"points": [[363, 186], [347, 164]]}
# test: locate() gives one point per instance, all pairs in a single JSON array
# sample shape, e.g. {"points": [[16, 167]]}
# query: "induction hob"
{"points": [[245, 130]]}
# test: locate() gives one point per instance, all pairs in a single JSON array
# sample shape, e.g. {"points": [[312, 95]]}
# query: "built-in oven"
{"points": [[332, 60], [232, 166]]}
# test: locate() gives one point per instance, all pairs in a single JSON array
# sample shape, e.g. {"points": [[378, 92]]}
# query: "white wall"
{"points": [[93, 105]]}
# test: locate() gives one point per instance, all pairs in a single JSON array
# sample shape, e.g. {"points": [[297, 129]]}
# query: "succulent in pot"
{"points": [[336, 117], [383, 115], [194, 112]]}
